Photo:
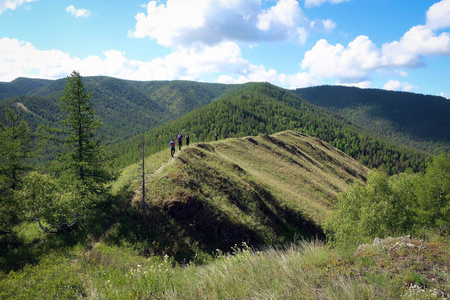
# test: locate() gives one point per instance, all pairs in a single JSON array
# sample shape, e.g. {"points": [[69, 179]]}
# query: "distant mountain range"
{"points": [[416, 120], [359, 122]]}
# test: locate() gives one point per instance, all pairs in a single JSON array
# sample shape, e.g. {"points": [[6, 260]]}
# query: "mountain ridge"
{"points": [[416, 120], [265, 189]]}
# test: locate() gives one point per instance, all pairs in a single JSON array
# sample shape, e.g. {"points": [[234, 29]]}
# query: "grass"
{"points": [[305, 270]]}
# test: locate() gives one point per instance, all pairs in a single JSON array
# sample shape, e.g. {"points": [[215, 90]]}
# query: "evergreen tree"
{"points": [[84, 160], [16, 146]]}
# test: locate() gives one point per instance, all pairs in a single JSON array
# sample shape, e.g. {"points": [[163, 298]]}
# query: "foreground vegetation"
{"points": [[116, 253], [397, 268]]}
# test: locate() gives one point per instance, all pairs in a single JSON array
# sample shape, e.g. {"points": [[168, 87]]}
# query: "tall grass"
{"points": [[305, 270]]}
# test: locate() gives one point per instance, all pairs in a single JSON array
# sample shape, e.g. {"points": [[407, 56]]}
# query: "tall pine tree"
{"points": [[84, 160]]}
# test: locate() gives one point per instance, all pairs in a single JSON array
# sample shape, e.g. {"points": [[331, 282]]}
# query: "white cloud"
{"points": [[447, 96], [351, 64], [362, 84], [438, 15], [362, 57], [78, 13], [187, 22], [310, 3], [12, 4], [395, 85], [22, 59], [418, 41], [323, 25]]}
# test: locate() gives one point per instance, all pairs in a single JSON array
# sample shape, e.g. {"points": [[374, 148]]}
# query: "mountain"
{"points": [[21, 86], [266, 189], [415, 120], [262, 108], [126, 108]]}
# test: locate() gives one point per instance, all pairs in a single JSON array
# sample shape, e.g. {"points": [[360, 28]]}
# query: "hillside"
{"points": [[261, 108], [261, 190], [415, 120], [21, 86], [206, 207], [126, 108]]}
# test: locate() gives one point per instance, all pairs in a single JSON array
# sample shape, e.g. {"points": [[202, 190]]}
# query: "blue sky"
{"points": [[390, 44]]}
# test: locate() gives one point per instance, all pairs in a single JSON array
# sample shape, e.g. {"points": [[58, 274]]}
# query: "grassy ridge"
{"points": [[262, 190], [257, 108]]}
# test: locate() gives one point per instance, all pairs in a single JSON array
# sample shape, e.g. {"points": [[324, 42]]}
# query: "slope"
{"points": [[257, 108], [419, 121], [125, 107], [21, 86], [259, 190]]}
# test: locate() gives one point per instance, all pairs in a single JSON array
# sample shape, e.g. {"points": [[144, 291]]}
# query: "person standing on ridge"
{"points": [[187, 139], [180, 140], [172, 147], [217, 136]]}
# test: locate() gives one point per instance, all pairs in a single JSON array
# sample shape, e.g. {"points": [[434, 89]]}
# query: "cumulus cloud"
{"points": [[310, 3], [395, 85], [351, 64], [418, 41], [357, 61], [187, 22], [438, 15], [447, 96], [12, 4], [78, 13], [22, 59]]}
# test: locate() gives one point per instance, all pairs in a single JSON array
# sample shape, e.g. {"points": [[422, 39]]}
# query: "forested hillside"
{"points": [[21, 86], [419, 121], [126, 108], [261, 108]]}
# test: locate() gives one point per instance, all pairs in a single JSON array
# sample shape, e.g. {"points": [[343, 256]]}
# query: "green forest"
{"points": [[416, 120]]}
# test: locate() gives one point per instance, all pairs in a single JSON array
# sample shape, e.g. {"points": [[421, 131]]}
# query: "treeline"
{"points": [[396, 205], [265, 109], [419, 121]]}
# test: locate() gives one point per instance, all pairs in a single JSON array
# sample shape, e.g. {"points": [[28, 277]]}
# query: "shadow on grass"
{"points": [[89, 228]]}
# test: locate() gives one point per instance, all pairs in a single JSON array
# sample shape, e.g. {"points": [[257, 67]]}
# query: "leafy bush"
{"points": [[400, 204]]}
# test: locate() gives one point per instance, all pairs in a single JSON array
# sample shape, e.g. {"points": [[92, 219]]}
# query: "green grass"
{"points": [[305, 270]]}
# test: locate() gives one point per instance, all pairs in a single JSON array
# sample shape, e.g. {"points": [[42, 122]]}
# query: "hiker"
{"points": [[172, 147], [187, 139], [180, 140], [217, 136]]}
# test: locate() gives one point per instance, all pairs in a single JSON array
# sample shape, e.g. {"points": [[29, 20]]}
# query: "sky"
{"points": [[401, 45]]}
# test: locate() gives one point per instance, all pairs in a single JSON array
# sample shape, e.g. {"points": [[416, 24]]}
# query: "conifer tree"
{"points": [[84, 160], [16, 146]]}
